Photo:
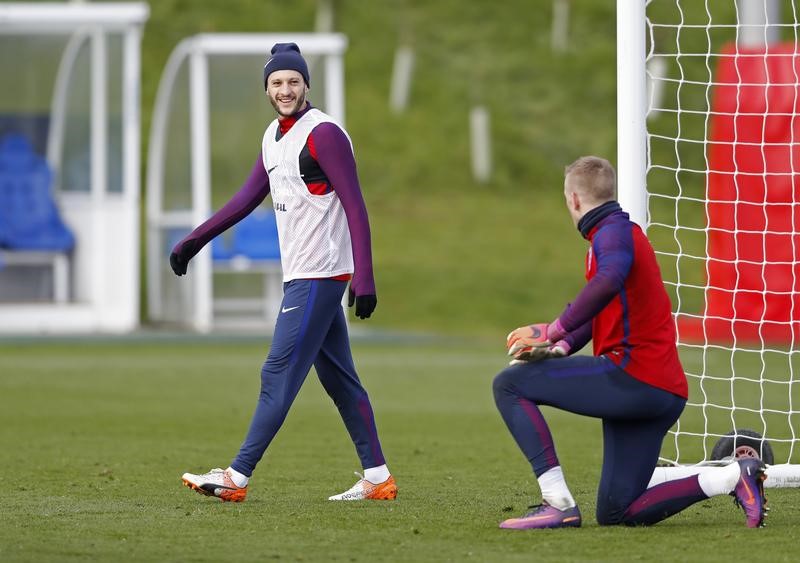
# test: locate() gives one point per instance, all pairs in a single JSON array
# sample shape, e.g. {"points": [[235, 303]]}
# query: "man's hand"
{"points": [[530, 355], [559, 349], [365, 304], [181, 254], [536, 353], [532, 336], [530, 344]]}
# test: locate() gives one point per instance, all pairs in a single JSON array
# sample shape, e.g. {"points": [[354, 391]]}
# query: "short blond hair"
{"points": [[593, 177]]}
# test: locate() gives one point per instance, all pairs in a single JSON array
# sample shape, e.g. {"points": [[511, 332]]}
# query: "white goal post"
{"points": [[707, 108]]}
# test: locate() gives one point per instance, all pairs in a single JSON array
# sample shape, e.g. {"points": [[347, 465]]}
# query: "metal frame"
{"points": [[111, 305], [632, 110]]}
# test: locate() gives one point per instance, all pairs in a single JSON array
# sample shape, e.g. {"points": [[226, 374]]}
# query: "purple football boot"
{"points": [[749, 491], [545, 516]]}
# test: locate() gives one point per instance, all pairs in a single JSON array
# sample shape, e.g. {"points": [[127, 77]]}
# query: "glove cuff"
{"points": [[187, 248], [555, 331], [563, 345]]}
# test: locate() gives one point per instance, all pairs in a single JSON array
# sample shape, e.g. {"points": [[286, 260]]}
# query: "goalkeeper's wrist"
{"points": [[555, 331], [560, 348]]}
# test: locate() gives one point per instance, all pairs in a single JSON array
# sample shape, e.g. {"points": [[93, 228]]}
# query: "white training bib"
{"points": [[312, 229]]}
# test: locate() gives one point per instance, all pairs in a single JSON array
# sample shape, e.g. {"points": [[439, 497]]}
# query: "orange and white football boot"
{"points": [[215, 483], [365, 490]]}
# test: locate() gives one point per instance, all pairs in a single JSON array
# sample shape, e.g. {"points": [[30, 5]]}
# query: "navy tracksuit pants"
{"points": [[635, 416], [310, 330]]}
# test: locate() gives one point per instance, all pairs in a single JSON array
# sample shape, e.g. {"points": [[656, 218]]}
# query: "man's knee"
{"points": [[270, 369], [348, 397], [510, 380], [610, 513], [503, 385], [605, 519]]}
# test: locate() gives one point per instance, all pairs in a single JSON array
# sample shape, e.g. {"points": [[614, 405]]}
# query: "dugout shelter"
{"points": [[70, 166], [208, 121]]}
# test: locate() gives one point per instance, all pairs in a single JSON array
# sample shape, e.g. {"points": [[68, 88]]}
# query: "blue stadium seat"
{"points": [[256, 236], [29, 218], [222, 246]]}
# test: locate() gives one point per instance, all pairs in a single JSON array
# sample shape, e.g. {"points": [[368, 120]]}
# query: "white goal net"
{"points": [[723, 209]]}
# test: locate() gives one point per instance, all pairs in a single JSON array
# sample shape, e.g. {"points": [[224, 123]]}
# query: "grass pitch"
{"points": [[95, 435]]}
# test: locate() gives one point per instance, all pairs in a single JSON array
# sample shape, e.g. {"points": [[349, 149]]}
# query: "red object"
{"points": [[753, 200], [634, 330]]}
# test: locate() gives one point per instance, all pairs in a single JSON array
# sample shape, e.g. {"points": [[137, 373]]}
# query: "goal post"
{"points": [[632, 96], [709, 172]]}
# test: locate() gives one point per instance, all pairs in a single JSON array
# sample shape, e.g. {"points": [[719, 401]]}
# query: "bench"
{"points": [[31, 230]]}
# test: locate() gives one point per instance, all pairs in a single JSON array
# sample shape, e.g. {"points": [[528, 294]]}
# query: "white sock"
{"points": [[554, 489], [720, 482], [239, 479], [377, 475]]}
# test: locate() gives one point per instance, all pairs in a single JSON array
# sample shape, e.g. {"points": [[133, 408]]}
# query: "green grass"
{"points": [[95, 435]]}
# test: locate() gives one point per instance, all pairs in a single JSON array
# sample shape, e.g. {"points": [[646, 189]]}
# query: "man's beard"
{"points": [[299, 103]]}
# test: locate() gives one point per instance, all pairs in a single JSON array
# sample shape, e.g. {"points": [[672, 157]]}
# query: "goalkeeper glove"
{"points": [[532, 336], [559, 349], [528, 344], [529, 355], [535, 335], [181, 254], [534, 354], [531, 343], [365, 304]]}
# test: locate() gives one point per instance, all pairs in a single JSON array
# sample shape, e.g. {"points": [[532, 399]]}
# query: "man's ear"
{"points": [[575, 201]]}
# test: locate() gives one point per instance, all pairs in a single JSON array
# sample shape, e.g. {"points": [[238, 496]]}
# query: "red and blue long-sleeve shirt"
{"points": [[624, 308]]}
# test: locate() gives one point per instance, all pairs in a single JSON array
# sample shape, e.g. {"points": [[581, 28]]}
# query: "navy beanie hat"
{"points": [[286, 56]]}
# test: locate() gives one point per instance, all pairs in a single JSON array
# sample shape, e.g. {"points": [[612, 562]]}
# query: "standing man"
{"points": [[634, 382], [307, 164]]}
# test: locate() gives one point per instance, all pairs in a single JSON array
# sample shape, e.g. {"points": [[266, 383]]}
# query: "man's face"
{"points": [[287, 91]]}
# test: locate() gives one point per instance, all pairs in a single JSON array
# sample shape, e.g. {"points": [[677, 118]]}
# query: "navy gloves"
{"points": [[365, 304], [179, 259]]}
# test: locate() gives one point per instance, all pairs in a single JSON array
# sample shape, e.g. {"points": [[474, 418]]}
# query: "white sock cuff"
{"points": [[720, 482], [554, 489], [377, 475], [239, 479]]}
